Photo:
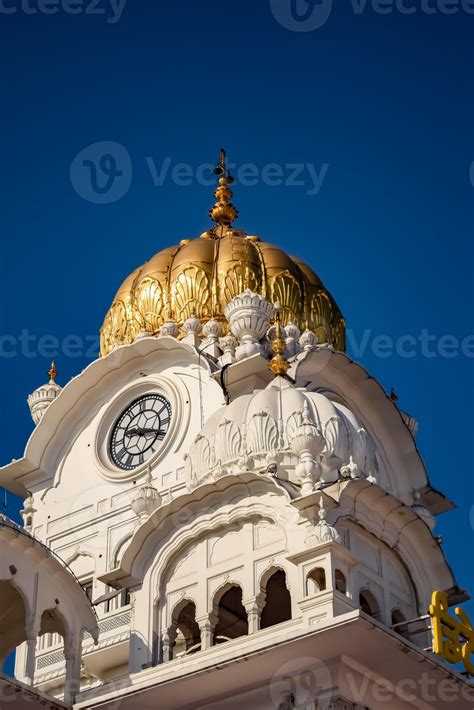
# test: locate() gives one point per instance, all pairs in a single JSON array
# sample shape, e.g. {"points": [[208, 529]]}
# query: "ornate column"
{"points": [[30, 661], [168, 639], [253, 607], [206, 626], [72, 652]]}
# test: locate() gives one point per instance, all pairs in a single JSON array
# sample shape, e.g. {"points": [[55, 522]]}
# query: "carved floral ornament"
{"points": [[318, 440]]}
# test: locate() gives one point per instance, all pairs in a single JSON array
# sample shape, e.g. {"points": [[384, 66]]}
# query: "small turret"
{"points": [[41, 398]]}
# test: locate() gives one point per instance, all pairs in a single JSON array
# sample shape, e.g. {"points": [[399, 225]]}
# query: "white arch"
{"points": [[218, 504], [403, 532]]}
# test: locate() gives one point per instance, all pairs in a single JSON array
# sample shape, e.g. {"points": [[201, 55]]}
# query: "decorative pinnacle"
{"points": [[148, 477], [306, 418], [322, 511], [52, 372], [223, 213], [278, 365]]}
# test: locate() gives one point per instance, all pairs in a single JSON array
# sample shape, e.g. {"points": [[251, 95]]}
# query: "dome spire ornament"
{"points": [[223, 213], [52, 372], [393, 396], [278, 364]]}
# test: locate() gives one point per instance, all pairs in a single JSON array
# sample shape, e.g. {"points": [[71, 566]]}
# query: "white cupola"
{"points": [[41, 398], [310, 435]]}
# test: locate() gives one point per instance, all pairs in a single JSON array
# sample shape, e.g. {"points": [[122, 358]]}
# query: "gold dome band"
{"points": [[202, 275]]}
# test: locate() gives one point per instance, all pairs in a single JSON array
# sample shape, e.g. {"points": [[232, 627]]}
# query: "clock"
{"points": [[139, 431]]}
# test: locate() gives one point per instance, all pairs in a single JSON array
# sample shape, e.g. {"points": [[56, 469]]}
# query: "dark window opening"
{"points": [[369, 604], [316, 581], [277, 601], [232, 619], [340, 581], [188, 633]]}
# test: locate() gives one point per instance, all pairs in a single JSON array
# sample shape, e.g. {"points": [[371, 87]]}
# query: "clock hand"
{"points": [[131, 432], [141, 432]]}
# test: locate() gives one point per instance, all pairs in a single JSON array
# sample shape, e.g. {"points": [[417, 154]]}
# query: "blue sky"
{"points": [[375, 109]]}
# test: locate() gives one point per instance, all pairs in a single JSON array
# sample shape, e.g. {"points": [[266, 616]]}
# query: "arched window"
{"points": [[12, 620], [398, 624], [232, 619], [340, 581], [277, 601], [369, 604], [52, 623], [188, 634], [316, 581]]}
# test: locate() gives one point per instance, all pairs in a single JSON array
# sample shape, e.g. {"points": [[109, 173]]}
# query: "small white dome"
{"points": [[280, 418], [41, 398]]}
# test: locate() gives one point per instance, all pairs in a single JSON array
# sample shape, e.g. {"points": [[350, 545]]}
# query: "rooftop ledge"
{"points": [[210, 676]]}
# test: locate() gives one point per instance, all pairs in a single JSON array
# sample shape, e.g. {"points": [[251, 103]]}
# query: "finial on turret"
{"points": [[52, 372], [321, 532], [223, 213], [278, 364], [41, 398]]}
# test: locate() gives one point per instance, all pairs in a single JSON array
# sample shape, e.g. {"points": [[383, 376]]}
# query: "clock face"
{"points": [[139, 431]]}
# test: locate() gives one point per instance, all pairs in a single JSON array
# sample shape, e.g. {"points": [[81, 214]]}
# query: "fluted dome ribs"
{"points": [[200, 276]]}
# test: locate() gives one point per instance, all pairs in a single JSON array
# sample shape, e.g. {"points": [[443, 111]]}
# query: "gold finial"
{"points": [[278, 364], [247, 278], [223, 213], [52, 372]]}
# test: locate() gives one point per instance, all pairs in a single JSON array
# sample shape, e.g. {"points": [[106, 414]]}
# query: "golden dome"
{"points": [[202, 275]]}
